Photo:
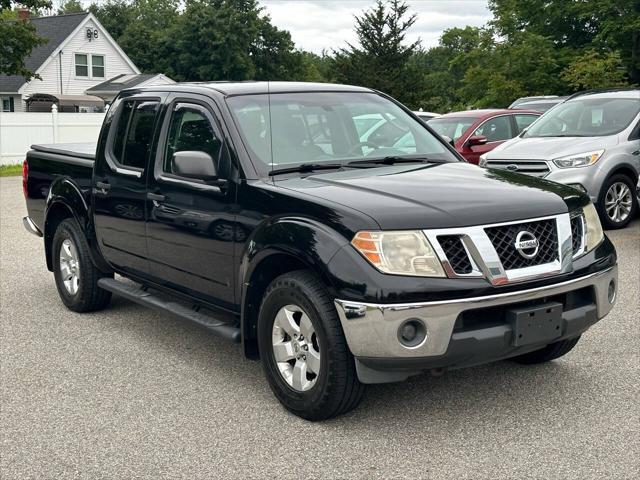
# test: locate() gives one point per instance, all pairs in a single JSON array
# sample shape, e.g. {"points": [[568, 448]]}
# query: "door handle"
{"points": [[156, 198], [102, 187]]}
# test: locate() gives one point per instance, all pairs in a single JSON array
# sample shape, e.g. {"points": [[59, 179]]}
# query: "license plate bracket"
{"points": [[535, 324]]}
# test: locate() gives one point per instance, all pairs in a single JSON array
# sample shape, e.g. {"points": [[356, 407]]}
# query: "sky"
{"points": [[328, 24]]}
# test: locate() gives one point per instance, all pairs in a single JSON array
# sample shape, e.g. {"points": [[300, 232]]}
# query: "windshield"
{"points": [[290, 129], [586, 117], [452, 127]]}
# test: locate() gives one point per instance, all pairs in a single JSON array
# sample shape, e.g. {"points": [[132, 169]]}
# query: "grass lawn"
{"points": [[10, 170]]}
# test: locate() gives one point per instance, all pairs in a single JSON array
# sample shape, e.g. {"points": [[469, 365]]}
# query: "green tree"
{"points": [[382, 60], [71, 6], [18, 36], [595, 70], [114, 15]]}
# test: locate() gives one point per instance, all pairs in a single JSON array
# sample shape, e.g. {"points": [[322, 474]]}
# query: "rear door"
{"points": [[119, 181], [191, 224]]}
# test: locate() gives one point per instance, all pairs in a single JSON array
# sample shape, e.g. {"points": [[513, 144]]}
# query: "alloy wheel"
{"points": [[69, 266], [618, 202], [296, 348]]}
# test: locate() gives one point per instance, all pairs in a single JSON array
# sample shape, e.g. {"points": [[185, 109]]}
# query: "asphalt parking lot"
{"points": [[129, 393]]}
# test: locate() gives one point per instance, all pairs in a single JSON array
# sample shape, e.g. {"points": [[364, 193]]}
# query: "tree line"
{"points": [[529, 48]]}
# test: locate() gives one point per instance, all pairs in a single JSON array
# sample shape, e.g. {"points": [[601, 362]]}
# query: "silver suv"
{"points": [[591, 142]]}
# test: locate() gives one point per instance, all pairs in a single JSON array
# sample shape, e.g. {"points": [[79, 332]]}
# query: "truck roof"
{"points": [[256, 87]]}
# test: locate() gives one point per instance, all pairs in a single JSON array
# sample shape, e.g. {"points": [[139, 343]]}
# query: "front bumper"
{"points": [[371, 330]]}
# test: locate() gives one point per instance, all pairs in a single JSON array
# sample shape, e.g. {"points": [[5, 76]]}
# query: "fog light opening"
{"points": [[611, 293], [412, 333]]}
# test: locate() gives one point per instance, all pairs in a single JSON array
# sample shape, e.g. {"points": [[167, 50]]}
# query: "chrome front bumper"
{"points": [[371, 330]]}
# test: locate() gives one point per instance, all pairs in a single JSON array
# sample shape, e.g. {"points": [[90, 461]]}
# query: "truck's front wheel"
{"points": [[303, 350], [75, 274]]}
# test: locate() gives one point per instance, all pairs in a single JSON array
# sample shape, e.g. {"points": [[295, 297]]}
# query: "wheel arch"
{"points": [[624, 169], [279, 247]]}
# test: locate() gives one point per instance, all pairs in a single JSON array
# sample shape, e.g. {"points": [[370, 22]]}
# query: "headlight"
{"points": [[594, 231], [399, 253], [579, 160], [483, 160]]}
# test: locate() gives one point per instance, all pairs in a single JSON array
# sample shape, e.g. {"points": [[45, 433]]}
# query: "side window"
{"points": [[134, 133], [496, 129], [191, 129], [523, 121]]}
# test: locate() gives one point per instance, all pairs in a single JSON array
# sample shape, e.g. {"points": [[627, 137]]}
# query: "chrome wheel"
{"points": [[69, 266], [618, 202], [296, 348]]}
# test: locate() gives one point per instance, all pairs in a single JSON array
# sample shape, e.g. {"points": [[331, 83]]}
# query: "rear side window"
{"points": [[191, 129], [134, 132]]}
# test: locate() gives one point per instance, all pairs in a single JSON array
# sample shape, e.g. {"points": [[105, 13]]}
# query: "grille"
{"points": [[504, 239], [536, 168], [576, 233], [456, 253]]}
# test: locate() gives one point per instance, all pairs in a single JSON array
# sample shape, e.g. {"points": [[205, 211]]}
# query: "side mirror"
{"points": [[449, 140], [196, 165], [477, 140]]}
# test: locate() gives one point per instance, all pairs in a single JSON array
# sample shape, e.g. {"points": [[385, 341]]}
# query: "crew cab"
{"points": [[255, 210]]}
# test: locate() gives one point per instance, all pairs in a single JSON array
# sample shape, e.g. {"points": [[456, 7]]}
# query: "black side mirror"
{"points": [[194, 164]]}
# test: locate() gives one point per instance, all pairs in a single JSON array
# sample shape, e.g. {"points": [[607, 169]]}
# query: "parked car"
{"points": [[475, 132], [591, 142], [426, 116], [522, 100], [540, 105], [358, 262]]}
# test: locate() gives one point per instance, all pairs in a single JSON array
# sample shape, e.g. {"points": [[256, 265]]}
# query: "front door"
{"points": [[191, 224], [119, 183]]}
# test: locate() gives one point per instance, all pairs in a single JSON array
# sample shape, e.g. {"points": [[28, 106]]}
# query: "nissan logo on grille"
{"points": [[527, 244]]}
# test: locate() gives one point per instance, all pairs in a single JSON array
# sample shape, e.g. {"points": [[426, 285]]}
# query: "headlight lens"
{"points": [[594, 231], [579, 160], [399, 253]]}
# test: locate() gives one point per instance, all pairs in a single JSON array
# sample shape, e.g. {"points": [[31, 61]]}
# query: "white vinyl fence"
{"points": [[18, 131]]}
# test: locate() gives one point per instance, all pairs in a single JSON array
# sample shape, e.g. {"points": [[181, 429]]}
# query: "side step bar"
{"points": [[161, 303]]}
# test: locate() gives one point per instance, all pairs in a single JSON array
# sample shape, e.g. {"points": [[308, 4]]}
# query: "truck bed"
{"points": [[46, 163]]}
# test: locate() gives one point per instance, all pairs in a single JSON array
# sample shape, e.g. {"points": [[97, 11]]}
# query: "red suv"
{"points": [[475, 132]]}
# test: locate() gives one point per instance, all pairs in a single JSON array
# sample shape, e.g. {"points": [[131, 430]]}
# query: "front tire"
{"points": [[75, 274], [303, 351], [617, 204], [548, 353]]}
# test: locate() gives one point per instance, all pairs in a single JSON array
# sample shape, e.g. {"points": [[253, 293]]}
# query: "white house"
{"points": [[79, 55]]}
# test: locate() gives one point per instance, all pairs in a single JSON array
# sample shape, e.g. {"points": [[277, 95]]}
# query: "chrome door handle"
{"points": [[156, 198], [102, 187]]}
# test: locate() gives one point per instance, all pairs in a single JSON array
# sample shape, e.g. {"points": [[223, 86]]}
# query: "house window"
{"points": [[82, 65], [97, 66], [7, 104]]}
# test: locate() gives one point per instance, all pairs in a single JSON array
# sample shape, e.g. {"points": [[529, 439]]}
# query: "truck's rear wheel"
{"points": [[75, 274], [303, 350], [548, 353]]}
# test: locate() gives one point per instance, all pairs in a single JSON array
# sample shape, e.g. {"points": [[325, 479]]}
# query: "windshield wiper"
{"points": [[306, 167], [393, 159]]}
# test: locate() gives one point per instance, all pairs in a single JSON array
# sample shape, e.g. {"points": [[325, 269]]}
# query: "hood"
{"points": [[548, 148], [438, 195]]}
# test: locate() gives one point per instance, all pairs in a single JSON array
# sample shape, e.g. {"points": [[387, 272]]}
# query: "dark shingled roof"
{"points": [[113, 85], [56, 30]]}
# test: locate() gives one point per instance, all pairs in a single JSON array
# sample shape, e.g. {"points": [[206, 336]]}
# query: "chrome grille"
{"points": [[537, 168], [503, 239], [456, 254]]}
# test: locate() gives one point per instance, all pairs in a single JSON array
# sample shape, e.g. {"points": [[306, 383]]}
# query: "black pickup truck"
{"points": [[324, 227]]}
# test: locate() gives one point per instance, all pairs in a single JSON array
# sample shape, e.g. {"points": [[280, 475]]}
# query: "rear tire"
{"points": [[297, 303], [75, 274], [617, 203], [548, 353]]}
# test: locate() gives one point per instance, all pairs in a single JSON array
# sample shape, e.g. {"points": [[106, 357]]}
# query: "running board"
{"points": [[148, 298]]}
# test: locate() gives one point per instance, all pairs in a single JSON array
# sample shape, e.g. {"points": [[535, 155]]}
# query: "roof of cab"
{"points": [[254, 87]]}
